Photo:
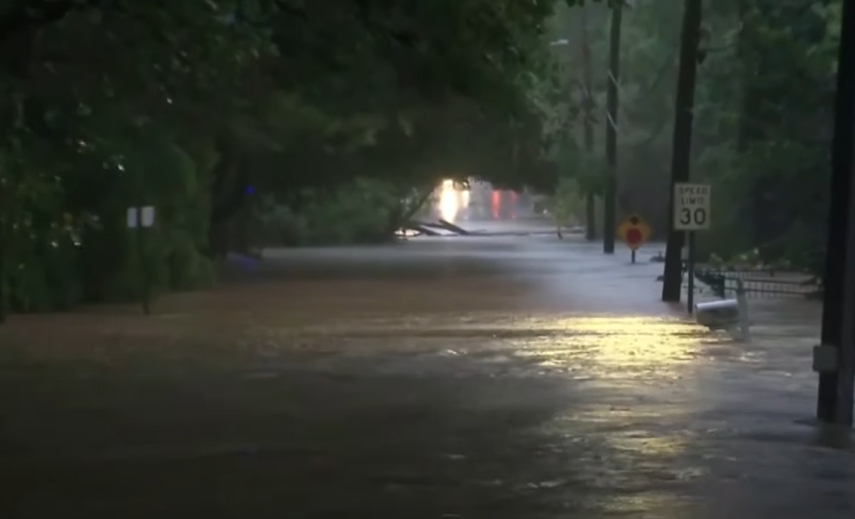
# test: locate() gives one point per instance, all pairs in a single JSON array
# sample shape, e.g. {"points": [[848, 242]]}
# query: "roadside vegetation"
{"points": [[247, 122]]}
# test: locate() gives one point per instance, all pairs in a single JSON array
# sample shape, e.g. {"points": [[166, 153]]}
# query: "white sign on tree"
{"points": [[691, 207], [140, 217]]}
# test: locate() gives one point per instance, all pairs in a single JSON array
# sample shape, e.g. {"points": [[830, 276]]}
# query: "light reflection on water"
{"points": [[610, 345], [640, 367]]}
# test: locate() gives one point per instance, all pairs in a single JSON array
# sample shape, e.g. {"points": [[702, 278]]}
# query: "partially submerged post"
{"points": [[730, 315], [140, 219], [691, 214], [744, 317], [634, 231]]}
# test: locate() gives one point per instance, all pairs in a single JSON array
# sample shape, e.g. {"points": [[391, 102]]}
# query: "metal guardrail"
{"points": [[758, 283]]}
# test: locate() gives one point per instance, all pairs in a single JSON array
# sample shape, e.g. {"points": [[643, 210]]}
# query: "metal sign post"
{"points": [[141, 218], [691, 214], [690, 272]]}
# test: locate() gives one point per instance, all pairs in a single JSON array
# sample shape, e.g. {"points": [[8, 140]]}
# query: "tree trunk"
{"points": [[11, 114], [682, 144], [4, 296], [242, 240], [403, 216], [5, 197], [228, 197], [588, 123], [610, 213]]}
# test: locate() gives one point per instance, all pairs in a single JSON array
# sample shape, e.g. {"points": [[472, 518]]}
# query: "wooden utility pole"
{"points": [[588, 122], [835, 359], [610, 205], [681, 153]]}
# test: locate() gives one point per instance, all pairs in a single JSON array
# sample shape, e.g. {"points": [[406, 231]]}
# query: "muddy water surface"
{"points": [[517, 377]]}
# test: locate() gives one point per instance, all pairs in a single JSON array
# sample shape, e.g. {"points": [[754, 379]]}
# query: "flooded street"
{"points": [[482, 377]]}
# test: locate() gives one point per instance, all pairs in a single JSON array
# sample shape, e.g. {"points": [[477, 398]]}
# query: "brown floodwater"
{"points": [[512, 376]]}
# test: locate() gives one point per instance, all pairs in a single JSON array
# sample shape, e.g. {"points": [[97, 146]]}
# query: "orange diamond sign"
{"points": [[634, 231]]}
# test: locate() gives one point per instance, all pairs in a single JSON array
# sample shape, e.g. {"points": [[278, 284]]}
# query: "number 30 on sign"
{"points": [[691, 207]]}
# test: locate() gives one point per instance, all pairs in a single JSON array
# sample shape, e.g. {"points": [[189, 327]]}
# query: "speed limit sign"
{"points": [[691, 207]]}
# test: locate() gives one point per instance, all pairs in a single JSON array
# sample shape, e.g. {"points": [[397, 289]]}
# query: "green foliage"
{"points": [[185, 105], [762, 117], [566, 206], [362, 211], [765, 111]]}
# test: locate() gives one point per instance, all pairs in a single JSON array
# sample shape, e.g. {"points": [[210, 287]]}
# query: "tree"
{"points": [[610, 193], [761, 133], [208, 110], [589, 107], [609, 221]]}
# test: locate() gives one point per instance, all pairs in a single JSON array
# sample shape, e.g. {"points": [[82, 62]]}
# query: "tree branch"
{"points": [[28, 15]]}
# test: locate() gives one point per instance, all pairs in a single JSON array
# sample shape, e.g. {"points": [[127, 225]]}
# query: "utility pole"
{"points": [[681, 153], [610, 205], [835, 359], [588, 122]]}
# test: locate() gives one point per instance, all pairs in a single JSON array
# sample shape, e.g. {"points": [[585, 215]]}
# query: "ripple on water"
{"points": [[618, 347]]}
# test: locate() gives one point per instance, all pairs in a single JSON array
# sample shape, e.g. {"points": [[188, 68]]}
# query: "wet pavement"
{"points": [[488, 377]]}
